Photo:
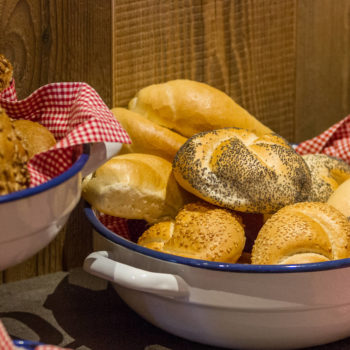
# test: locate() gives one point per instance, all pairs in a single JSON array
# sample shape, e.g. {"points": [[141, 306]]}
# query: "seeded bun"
{"points": [[35, 137], [327, 173], [135, 186], [303, 233], [6, 72], [199, 231], [236, 169], [147, 136], [189, 107], [14, 175]]}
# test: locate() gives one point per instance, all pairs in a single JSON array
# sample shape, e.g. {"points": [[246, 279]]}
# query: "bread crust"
{"points": [[236, 169], [135, 186], [6, 73], [189, 107], [35, 137], [303, 233], [199, 231], [147, 136], [327, 173]]}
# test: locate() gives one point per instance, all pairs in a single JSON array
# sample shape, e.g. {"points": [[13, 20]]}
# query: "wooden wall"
{"points": [[287, 62]]}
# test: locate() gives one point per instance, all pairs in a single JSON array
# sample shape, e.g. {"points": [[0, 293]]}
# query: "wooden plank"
{"points": [[323, 71], [50, 41], [245, 48]]}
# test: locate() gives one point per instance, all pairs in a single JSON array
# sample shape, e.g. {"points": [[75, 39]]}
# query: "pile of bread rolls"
{"points": [[201, 170], [20, 140]]}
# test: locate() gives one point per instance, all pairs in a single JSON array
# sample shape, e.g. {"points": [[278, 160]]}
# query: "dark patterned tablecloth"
{"points": [[76, 310]]}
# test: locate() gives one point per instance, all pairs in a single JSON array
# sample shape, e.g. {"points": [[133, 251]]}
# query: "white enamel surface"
{"points": [[100, 152], [241, 310], [29, 224]]}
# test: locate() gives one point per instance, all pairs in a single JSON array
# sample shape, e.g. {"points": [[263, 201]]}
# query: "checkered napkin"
{"points": [[334, 142], [7, 344], [74, 113]]}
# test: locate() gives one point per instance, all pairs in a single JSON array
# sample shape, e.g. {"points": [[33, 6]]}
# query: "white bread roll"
{"points": [[327, 173], [189, 107], [199, 231], [135, 186], [340, 198], [147, 136], [236, 169], [303, 233]]}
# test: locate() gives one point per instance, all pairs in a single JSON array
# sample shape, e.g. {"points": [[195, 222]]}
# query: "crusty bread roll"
{"points": [[327, 173], [135, 186], [303, 233], [340, 198], [6, 72], [189, 107], [236, 169], [199, 231], [147, 136], [35, 137], [14, 175]]}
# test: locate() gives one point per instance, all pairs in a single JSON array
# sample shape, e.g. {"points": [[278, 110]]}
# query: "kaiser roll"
{"points": [[327, 173], [303, 233], [199, 231], [135, 186], [340, 198], [189, 107], [236, 169]]}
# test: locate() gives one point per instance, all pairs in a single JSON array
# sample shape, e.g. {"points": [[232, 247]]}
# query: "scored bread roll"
{"points": [[35, 137], [199, 231], [327, 173], [14, 175], [189, 107], [147, 136], [340, 198], [303, 233], [236, 169], [135, 186]]}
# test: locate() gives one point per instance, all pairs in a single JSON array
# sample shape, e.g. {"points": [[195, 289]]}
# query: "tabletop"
{"points": [[79, 311]]}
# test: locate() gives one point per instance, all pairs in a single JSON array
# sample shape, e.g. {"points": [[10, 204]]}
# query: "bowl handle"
{"points": [[99, 153], [99, 264]]}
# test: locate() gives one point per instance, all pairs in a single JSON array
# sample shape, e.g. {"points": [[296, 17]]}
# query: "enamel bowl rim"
{"points": [[72, 171], [210, 265]]}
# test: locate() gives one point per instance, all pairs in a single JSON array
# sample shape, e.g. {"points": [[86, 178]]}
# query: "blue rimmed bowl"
{"points": [[26, 344], [236, 306], [31, 218]]}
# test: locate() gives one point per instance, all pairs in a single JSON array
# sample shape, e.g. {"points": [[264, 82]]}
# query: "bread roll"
{"points": [[189, 107], [236, 169], [147, 136], [35, 137], [327, 173], [340, 198], [199, 231], [14, 175], [6, 72], [303, 233], [135, 186]]}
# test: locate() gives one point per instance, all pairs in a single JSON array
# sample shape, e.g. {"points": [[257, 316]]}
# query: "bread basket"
{"points": [[227, 305]]}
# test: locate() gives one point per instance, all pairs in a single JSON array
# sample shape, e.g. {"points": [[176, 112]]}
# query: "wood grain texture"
{"points": [[48, 41], [323, 65], [245, 48]]}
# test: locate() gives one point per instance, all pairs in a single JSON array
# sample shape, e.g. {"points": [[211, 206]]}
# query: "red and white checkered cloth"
{"points": [[74, 113], [7, 344], [334, 142]]}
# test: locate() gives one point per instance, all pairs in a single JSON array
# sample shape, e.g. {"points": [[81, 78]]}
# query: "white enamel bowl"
{"points": [[233, 306], [31, 218]]}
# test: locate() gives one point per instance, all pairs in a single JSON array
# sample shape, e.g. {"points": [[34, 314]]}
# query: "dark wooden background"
{"points": [[287, 62]]}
